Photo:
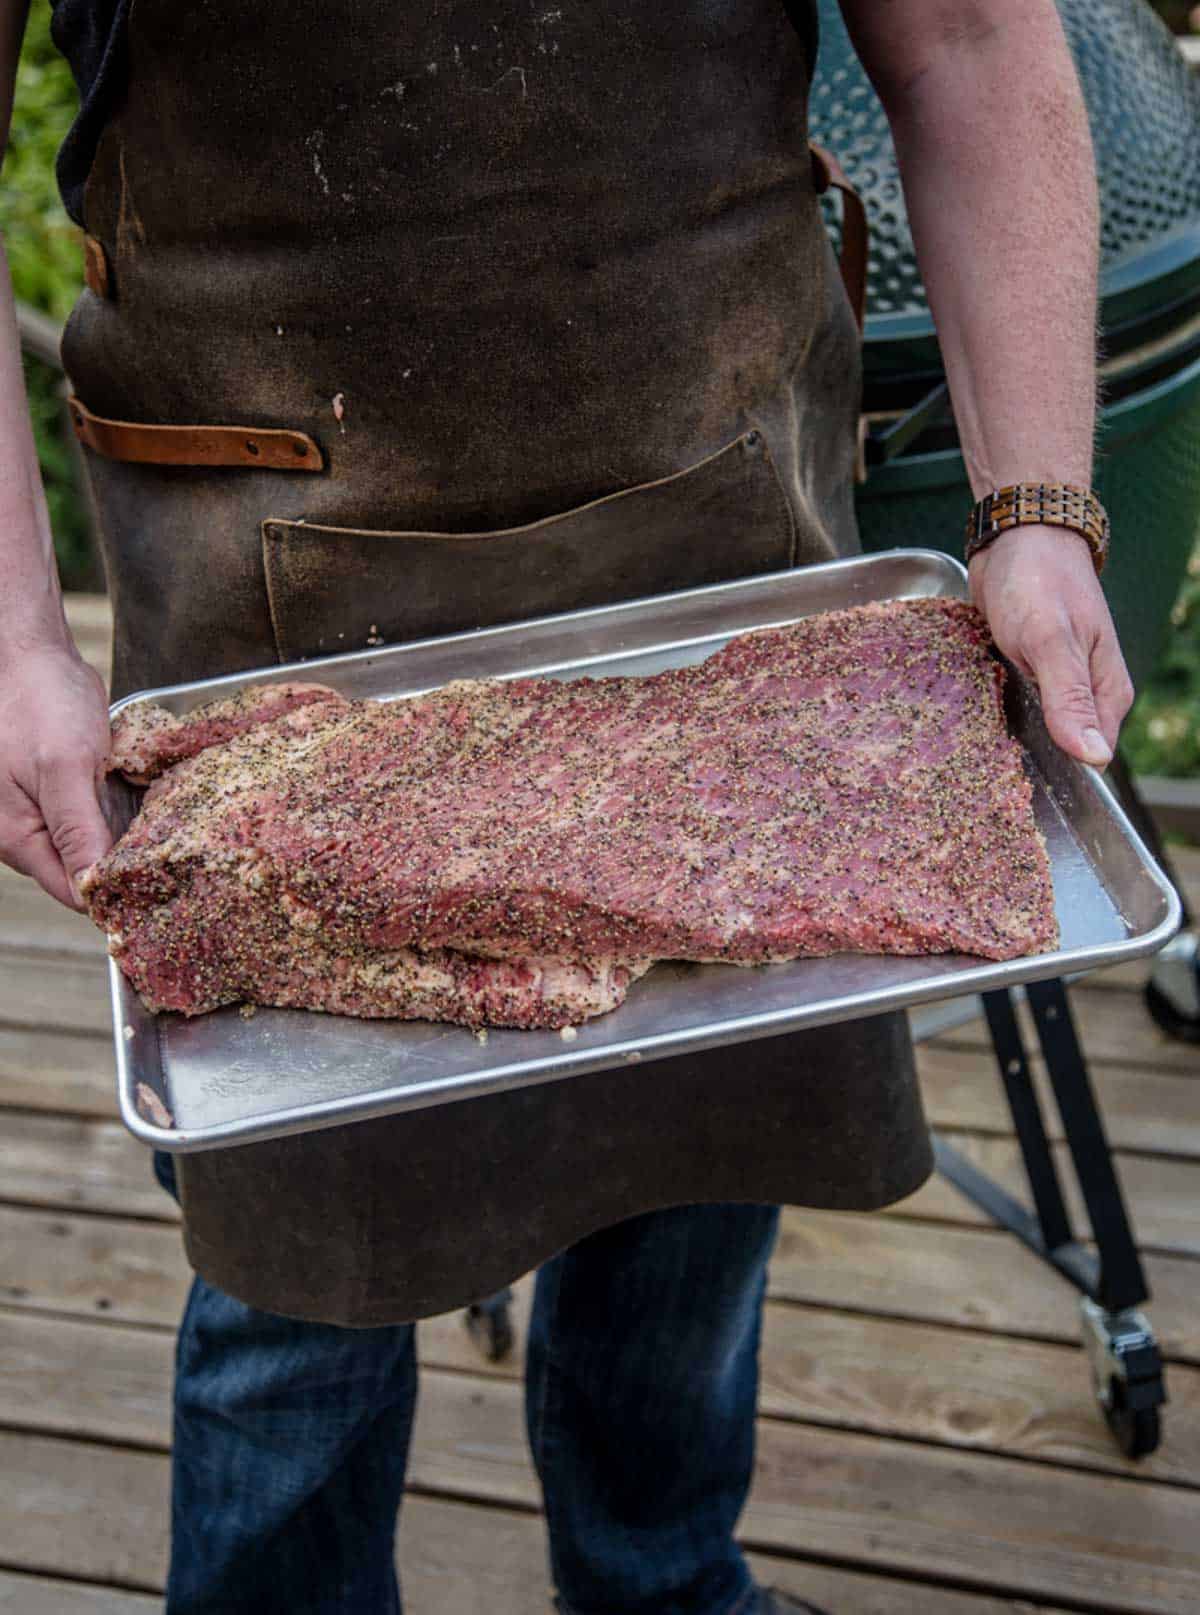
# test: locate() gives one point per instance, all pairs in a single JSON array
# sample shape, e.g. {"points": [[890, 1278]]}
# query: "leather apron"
{"points": [[499, 260]]}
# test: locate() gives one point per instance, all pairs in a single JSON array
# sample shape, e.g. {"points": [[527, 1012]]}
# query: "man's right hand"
{"points": [[54, 740], [53, 713]]}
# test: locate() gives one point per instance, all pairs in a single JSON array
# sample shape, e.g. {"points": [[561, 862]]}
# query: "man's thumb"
{"points": [[1065, 683]]}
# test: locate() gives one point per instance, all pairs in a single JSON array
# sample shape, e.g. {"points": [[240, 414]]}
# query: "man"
{"points": [[542, 294]]}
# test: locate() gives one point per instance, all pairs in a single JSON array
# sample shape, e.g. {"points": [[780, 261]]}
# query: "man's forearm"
{"points": [[28, 575], [992, 138], [53, 717], [991, 133]]}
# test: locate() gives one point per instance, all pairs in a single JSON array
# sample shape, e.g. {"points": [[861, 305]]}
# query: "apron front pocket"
{"points": [[335, 589]]}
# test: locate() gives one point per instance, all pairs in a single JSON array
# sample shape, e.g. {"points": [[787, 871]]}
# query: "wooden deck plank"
{"points": [[78, 1163], [92, 1266], [63, 992], [1112, 1027], [1143, 1110], [1106, 1545], [980, 1280], [977, 1279], [994, 1523], [93, 1512], [103, 1382], [1025, 1399], [1162, 1193], [460, 1560], [38, 1595], [31, 920], [454, 1558], [57, 1071], [1026, 1530]]}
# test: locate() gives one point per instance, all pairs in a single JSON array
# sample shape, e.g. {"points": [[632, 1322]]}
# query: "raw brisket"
{"points": [[515, 852]]}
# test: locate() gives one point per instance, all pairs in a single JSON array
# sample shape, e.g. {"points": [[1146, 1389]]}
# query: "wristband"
{"points": [[1049, 504]]}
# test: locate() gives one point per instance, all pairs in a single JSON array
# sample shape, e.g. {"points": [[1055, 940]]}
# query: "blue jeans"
{"points": [[641, 1379]]}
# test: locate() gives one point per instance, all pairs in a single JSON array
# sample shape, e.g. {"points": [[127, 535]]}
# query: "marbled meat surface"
{"points": [[515, 853]]}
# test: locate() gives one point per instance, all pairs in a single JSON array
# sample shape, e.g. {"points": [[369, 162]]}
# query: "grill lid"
{"points": [[1144, 109]]}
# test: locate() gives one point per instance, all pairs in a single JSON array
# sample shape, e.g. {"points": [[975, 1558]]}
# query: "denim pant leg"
{"points": [[290, 1447], [641, 1387]]}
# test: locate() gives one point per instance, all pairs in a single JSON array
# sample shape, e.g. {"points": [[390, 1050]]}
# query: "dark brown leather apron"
{"points": [[499, 260]]}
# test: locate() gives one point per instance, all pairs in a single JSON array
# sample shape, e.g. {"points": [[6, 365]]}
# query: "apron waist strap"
{"points": [[256, 448]]}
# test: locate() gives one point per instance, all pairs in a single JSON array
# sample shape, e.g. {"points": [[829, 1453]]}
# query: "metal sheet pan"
{"points": [[226, 1079]]}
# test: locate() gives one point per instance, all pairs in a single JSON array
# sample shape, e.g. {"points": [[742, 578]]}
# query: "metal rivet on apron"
{"points": [[753, 439], [251, 446]]}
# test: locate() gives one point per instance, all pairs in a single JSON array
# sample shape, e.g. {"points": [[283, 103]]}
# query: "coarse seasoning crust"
{"points": [[844, 783], [149, 739]]}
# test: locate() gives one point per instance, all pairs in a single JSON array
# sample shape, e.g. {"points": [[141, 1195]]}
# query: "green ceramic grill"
{"points": [[1144, 108]]}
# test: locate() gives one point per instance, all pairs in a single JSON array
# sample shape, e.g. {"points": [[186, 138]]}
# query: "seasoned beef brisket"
{"points": [[149, 739], [515, 852]]}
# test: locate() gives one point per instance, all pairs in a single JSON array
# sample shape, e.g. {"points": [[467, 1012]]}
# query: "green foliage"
{"points": [[1162, 734], [43, 249], [42, 243]]}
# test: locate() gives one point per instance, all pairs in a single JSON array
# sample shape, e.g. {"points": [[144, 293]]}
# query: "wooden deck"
{"points": [[928, 1440]]}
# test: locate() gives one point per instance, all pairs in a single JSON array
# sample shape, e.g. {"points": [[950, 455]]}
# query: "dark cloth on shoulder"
{"points": [[91, 35]]}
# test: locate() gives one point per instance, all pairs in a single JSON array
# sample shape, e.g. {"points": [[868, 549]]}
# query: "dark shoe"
{"points": [[772, 1602]]}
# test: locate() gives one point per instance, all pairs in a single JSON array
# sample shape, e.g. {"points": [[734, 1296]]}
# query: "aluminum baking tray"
{"points": [[223, 1079]]}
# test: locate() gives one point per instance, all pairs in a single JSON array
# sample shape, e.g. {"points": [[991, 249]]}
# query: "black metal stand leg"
{"points": [[1122, 1282], [1027, 1119], [1126, 1365]]}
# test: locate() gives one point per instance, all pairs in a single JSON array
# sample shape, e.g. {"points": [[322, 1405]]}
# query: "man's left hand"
{"points": [[1038, 589]]}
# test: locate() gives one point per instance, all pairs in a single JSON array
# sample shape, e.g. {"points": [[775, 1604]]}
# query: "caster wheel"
{"points": [[1165, 1015], [489, 1324], [1138, 1431], [1173, 991], [1128, 1377]]}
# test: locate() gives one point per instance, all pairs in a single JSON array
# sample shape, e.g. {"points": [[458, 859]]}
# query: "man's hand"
{"points": [[53, 748], [53, 715], [991, 134], [1038, 589]]}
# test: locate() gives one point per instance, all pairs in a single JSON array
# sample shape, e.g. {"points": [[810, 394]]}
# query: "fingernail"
{"points": [[75, 892], [1096, 750]]}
